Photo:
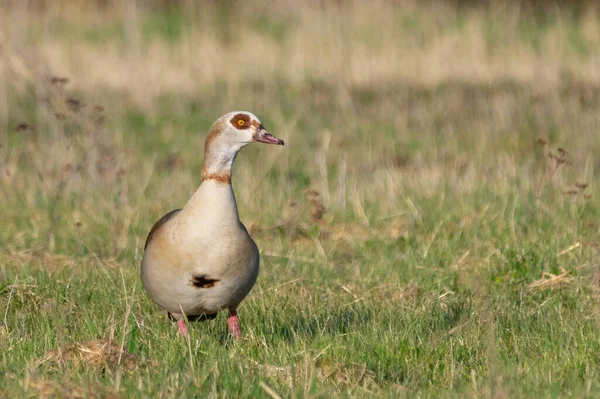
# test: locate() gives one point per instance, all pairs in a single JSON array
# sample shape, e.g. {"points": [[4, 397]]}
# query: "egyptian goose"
{"points": [[200, 259]]}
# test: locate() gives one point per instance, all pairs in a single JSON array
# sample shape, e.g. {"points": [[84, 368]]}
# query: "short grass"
{"points": [[430, 228]]}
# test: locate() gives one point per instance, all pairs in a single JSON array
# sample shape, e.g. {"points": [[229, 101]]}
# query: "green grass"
{"points": [[456, 257]]}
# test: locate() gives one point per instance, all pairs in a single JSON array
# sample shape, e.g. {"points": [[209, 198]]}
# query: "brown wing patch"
{"points": [[202, 281], [159, 224], [241, 121]]}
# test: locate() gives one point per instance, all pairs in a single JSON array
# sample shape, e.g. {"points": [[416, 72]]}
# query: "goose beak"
{"points": [[263, 136]]}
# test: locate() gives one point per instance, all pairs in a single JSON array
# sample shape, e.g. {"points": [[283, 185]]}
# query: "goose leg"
{"points": [[182, 327], [233, 322], [180, 323]]}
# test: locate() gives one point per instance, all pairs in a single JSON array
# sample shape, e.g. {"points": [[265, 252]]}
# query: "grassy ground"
{"points": [[429, 229]]}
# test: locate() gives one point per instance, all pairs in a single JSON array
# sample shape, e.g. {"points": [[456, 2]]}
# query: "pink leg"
{"points": [[234, 324], [182, 327]]}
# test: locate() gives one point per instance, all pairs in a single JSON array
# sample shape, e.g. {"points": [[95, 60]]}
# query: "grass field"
{"points": [[430, 229]]}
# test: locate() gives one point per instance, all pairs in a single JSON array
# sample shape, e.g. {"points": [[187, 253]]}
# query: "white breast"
{"points": [[205, 239]]}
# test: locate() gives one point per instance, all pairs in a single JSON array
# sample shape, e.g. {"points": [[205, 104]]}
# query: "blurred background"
{"points": [[108, 103], [440, 158]]}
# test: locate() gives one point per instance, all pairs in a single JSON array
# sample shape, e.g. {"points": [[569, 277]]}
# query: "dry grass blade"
{"points": [[10, 294], [269, 391], [94, 354], [567, 250], [551, 281], [54, 389]]}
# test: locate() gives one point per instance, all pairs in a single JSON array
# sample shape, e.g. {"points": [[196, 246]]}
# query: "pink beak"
{"points": [[263, 136]]}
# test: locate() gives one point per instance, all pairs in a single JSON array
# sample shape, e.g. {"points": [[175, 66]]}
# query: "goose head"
{"points": [[227, 136]]}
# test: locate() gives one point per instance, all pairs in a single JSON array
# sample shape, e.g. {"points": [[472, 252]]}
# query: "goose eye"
{"points": [[241, 122]]}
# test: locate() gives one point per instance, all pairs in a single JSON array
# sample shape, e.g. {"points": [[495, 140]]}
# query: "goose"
{"points": [[200, 260]]}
